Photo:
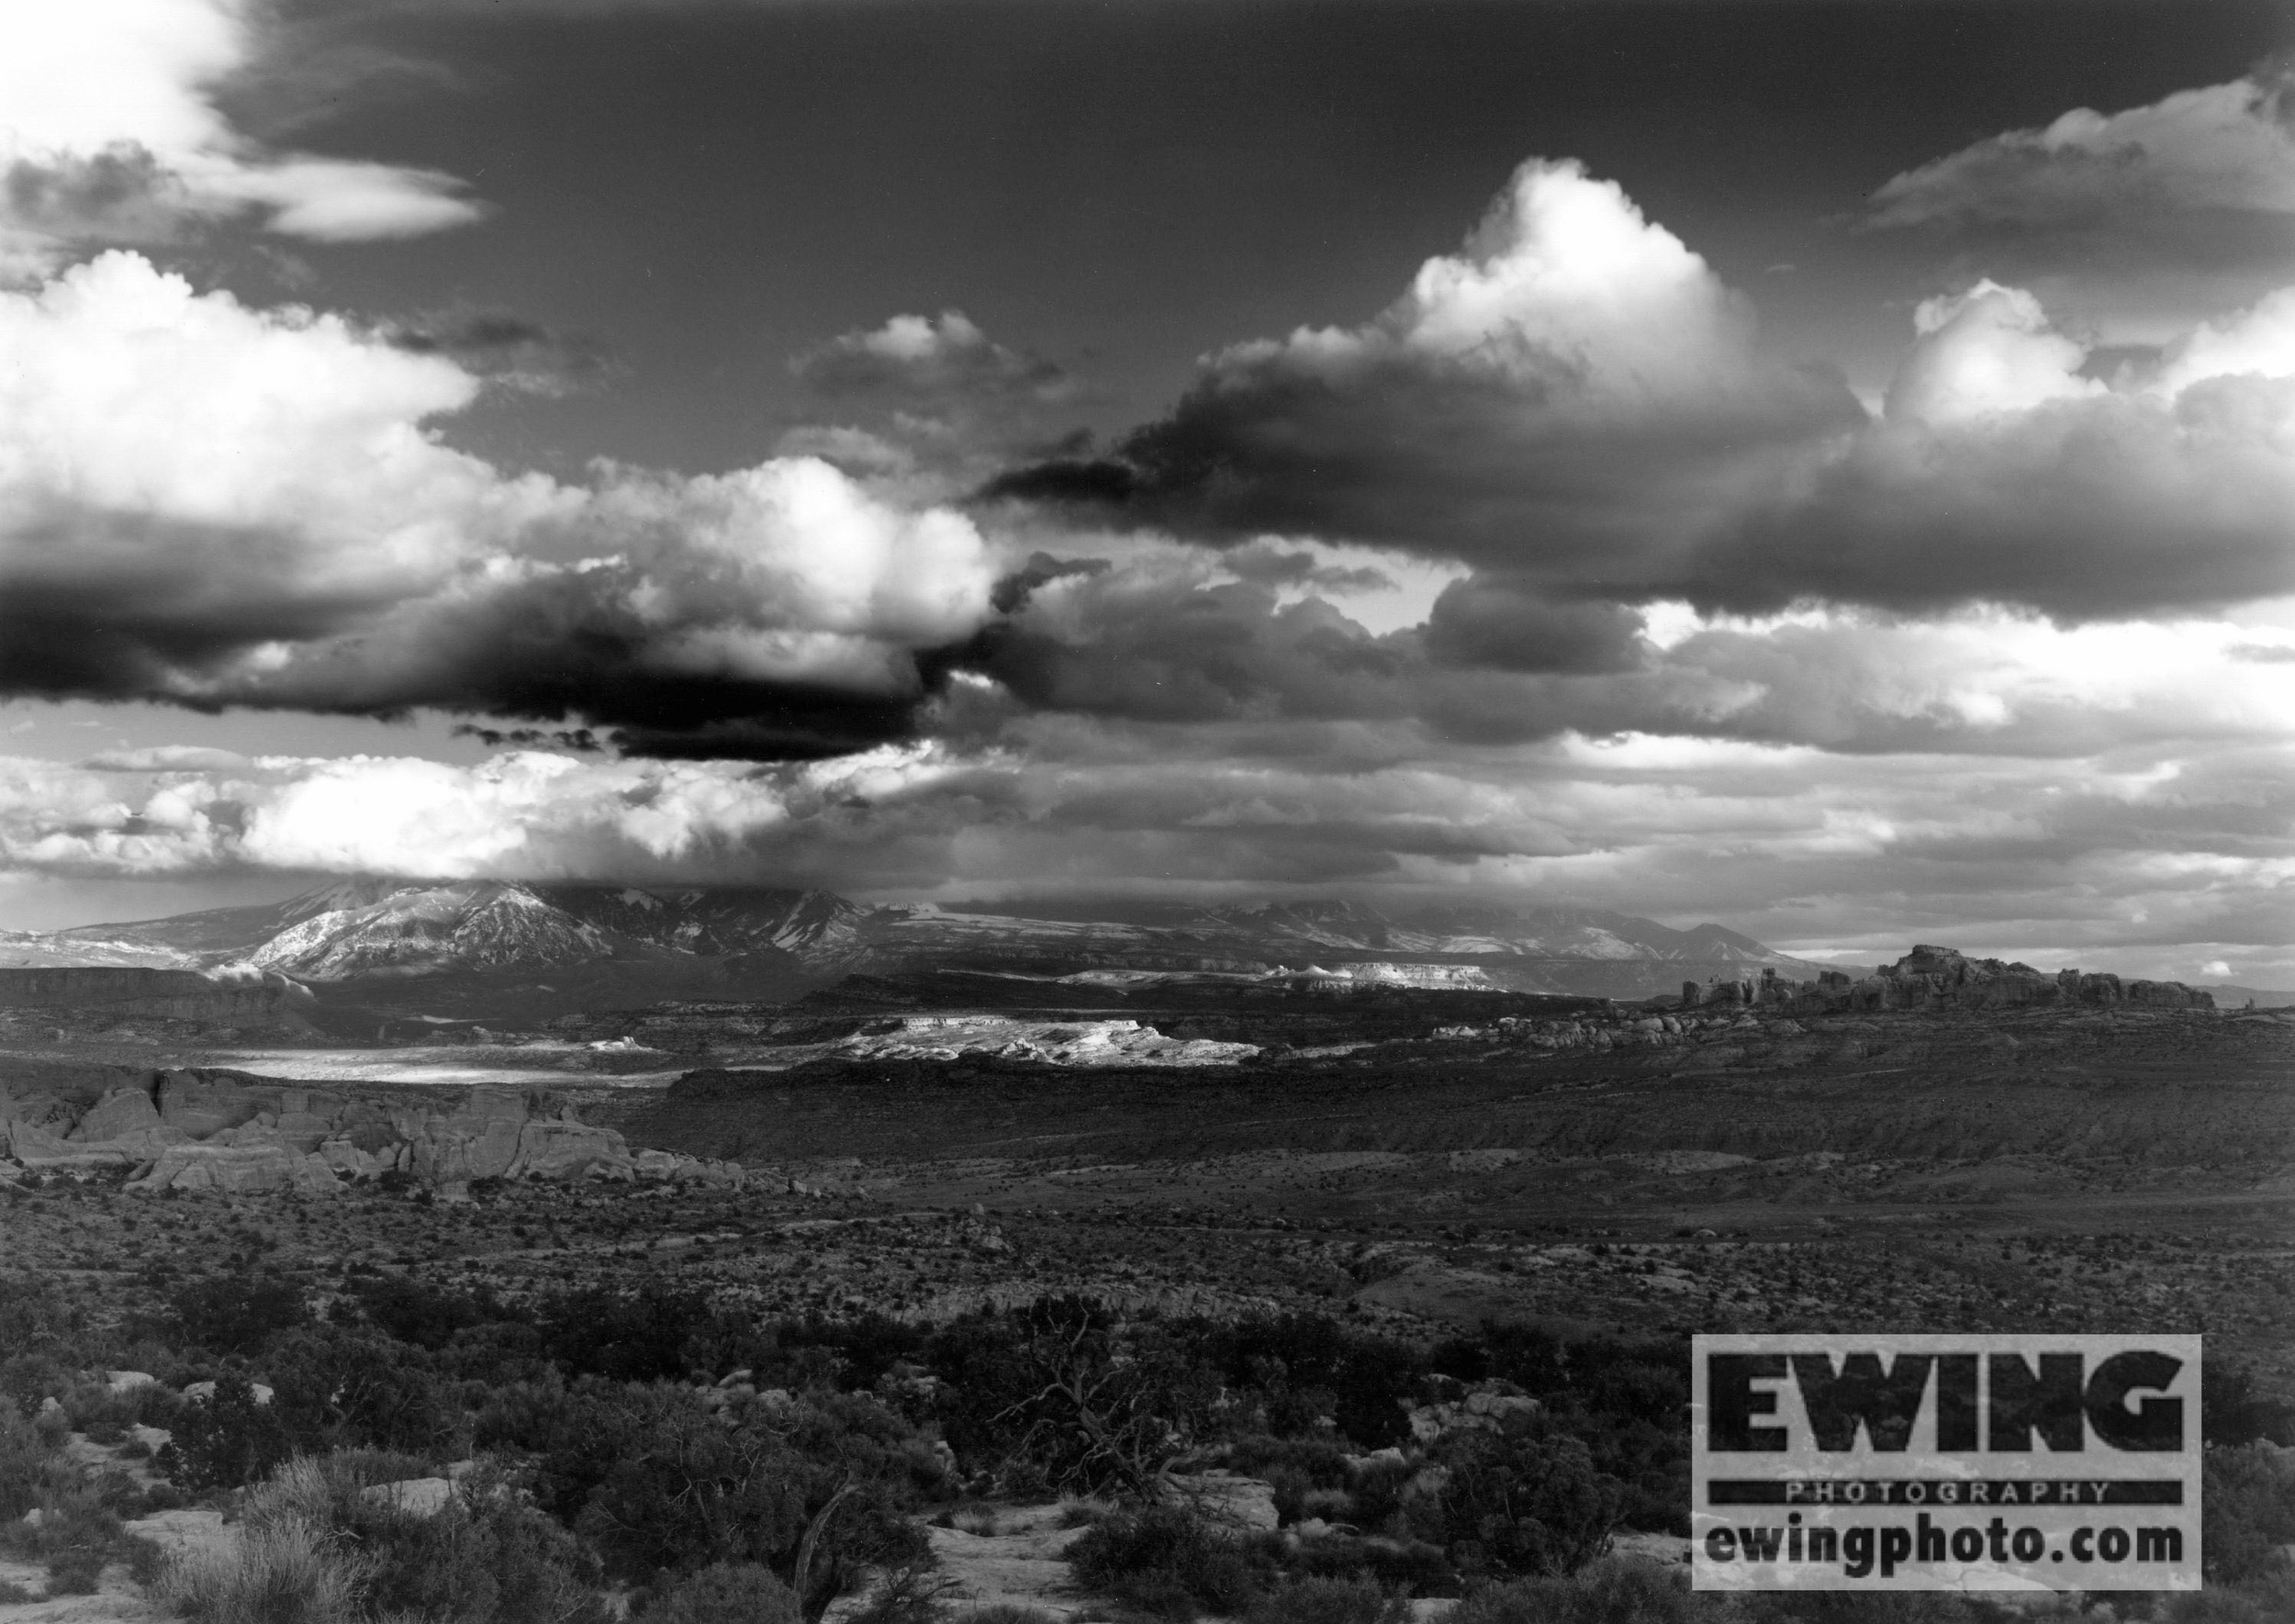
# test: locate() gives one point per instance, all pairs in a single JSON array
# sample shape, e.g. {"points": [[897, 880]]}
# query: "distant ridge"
{"points": [[2229, 997], [367, 930]]}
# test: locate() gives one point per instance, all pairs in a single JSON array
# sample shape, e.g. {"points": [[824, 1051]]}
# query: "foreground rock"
{"points": [[1018, 1558], [222, 1131]]}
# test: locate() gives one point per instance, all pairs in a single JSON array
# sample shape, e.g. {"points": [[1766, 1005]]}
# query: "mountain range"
{"points": [[363, 931]]}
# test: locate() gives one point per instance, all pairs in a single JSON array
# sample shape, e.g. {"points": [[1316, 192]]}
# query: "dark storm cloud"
{"points": [[550, 646], [1493, 622], [2085, 510]]}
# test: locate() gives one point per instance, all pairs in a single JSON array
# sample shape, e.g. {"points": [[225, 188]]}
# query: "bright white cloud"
{"points": [[1567, 290], [2256, 342], [1566, 278], [1988, 349], [526, 814], [108, 130], [1571, 394], [200, 500]]}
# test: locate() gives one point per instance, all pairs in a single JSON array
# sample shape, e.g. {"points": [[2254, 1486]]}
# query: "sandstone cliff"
{"points": [[1942, 978], [214, 1130], [255, 999]]}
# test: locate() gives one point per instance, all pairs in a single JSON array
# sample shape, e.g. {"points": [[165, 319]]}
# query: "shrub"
{"points": [[232, 1314], [1166, 1561], [77, 1529], [34, 1316], [485, 1558], [692, 1493], [2248, 1510], [1062, 1397], [417, 1312], [576, 1435], [1613, 1592], [225, 1439], [2232, 1412], [342, 1388], [1377, 1493], [77, 1570], [1305, 1367], [284, 1571], [25, 1460], [1411, 1566], [909, 1594], [1524, 1502], [2265, 1601], [622, 1336], [1331, 1601], [727, 1593], [1003, 1612], [1855, 1607]]}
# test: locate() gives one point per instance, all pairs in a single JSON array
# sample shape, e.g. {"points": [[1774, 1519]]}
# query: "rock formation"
{"points": [[253, 999], [219, 1130], [1931, 978]]}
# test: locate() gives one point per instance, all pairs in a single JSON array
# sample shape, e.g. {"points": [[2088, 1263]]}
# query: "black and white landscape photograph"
{"points": [[1073, 812]]}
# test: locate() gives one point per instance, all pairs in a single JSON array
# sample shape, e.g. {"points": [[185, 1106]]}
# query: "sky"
{"points": [[1827, 468]]}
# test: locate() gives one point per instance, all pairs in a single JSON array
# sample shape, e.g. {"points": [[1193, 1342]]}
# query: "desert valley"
{"points": [[593, 1136]]}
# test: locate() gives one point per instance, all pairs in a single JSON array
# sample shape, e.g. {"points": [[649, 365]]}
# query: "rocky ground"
{"points": [[2059, 1173], [1601, 1170]]}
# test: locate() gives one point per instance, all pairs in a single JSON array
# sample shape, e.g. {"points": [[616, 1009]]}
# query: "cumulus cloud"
{"points": [[2135, 224], [2223, 147], [1575, 408], [1572, 392], [1988, 349], [2001, 474], [109, 132], [923, 356], [931, 402], [2258, 342], [217, 506]]}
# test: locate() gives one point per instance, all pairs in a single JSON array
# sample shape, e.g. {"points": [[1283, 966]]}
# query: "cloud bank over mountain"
{"points": [[1552, 573]]}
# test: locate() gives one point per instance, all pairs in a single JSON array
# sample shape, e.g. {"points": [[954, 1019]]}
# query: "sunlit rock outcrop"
{"points": [[214, 1130]]}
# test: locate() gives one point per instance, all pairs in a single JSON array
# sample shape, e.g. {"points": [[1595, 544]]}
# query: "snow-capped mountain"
{"points": [[365, 929], [713, 923], [1519, 932], [471, 925]]}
